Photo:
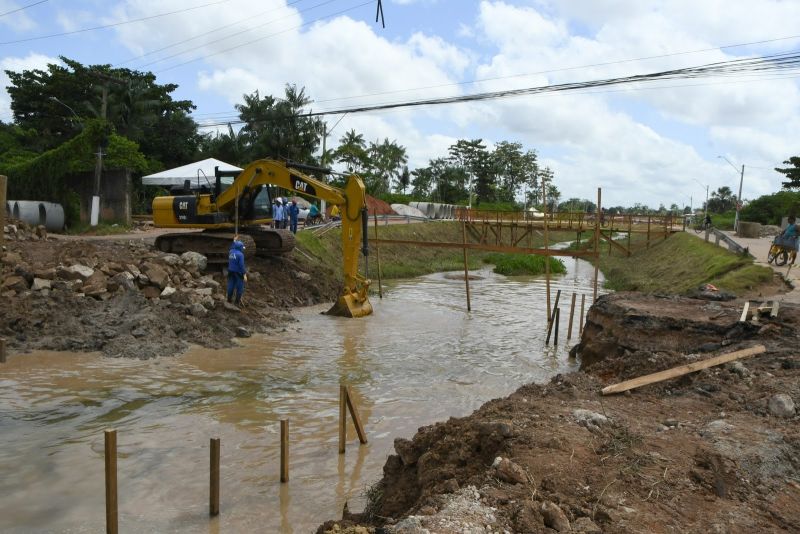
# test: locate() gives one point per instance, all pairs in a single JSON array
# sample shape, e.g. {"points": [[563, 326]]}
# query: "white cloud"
{"points": [[18, 21], [18, 64], [639, 143]]}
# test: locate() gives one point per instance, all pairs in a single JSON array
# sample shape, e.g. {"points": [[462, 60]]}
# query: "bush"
{"points": [[518, 264], [769, 209]]}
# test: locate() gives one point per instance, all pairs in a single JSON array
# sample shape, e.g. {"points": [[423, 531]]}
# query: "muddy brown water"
{"points": [[420, 358]]}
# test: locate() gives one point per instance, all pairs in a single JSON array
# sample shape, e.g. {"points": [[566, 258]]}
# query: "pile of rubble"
{"points": [[155, 275], [15, 230]]}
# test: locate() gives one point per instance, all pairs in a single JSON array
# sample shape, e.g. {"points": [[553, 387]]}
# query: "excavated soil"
{"points": [[712, 451], [122, 312]]}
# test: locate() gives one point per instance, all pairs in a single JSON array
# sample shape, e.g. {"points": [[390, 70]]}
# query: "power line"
{"points": [[23, 8], [234, 34], [121, 23], [204, 34], [788, 62], [262, 38]]}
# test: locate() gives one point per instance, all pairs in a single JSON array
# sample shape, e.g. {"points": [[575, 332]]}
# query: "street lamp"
{"points": [[739, 198], [54, 99], [705, 214]]}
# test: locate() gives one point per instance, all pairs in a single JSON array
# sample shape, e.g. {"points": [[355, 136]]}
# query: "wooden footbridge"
{"points": [[515, 232]]}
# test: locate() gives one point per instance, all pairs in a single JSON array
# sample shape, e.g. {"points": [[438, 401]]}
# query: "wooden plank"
{"points": [[580, 324], [466, 268], [112, 522], [362, 436], [682, 370], [213, 494], [284, 450], [571, 315], [745, 311]]}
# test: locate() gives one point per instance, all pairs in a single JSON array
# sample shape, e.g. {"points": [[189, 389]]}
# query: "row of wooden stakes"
{"points": [[112, 516], [555, 315]]}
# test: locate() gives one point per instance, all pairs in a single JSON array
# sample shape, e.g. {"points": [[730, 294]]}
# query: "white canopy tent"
{"points": [[199, 174]]}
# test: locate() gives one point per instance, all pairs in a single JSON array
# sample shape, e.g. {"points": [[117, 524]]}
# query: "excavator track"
{"points": [[269, 241], [216, 245]]}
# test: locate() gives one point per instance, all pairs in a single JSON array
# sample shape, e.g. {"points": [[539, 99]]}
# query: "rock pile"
{"points": [[155, 275], [16, 230]]}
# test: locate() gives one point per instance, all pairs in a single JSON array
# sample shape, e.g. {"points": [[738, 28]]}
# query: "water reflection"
{"points": [[418, 359]]}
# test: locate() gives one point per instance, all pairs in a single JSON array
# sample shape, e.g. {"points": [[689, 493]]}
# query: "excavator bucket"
{"points": [[351, 305]]}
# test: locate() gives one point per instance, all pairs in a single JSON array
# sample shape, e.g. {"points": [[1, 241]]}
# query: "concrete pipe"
{"points": [[424, 207], [9, 210], [30, 212], [54, 216]]}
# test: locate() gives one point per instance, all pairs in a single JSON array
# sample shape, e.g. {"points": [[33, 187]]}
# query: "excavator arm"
{"points": [[354, 300]]}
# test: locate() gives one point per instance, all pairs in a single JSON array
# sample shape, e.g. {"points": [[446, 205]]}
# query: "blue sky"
{"points": [[655, 144]]}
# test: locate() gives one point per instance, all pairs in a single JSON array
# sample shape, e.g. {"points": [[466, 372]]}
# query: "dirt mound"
{"points": [[379, 207], [128, 300], [716, 451]]}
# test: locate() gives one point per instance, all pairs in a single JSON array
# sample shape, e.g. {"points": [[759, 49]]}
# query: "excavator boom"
{"points": [[222, 212]]}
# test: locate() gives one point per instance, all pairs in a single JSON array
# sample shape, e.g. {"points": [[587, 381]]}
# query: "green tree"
{"points": [[514, 169], [230, 146], [385, 164], [352, 151], [277, 128], [475, 163], [57, 100], [404, 181], [792, 173], [722, 200]]}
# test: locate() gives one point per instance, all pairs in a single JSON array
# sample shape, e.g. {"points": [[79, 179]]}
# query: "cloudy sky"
{"points": [[654, 143]]}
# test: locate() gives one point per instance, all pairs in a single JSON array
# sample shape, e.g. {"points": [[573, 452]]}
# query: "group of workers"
{"points": [[285, 214]]}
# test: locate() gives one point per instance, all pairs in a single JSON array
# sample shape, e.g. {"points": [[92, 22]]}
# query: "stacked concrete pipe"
{"points": [[47, 214]]}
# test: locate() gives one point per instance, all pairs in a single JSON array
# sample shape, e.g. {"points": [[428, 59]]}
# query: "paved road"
{"points": [[759, 247]]}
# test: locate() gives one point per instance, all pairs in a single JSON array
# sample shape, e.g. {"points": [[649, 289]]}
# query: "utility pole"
{"points": [[322, 162], [98, 169], [739, 201]]}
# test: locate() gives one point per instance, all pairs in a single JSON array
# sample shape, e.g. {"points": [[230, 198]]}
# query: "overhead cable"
{"points": [[115, 24]]}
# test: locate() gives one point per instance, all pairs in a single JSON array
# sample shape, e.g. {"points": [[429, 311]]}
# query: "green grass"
{"points": [[407, 261], [679, 265], [519, 264], [103, 228], [723, 221]]}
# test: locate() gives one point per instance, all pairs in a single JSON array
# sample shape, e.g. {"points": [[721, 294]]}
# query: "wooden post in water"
{"points": [[112, 523], [213, 494], [342, 418], [378, 258], [362, 436], [466, 268], [571, 315], [3, 345], [580, 324], [284, 450], [547, 256], [558, 315], [597, 244]]}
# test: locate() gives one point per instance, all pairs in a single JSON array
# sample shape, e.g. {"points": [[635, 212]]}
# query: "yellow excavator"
{"points": [[243, 206]]}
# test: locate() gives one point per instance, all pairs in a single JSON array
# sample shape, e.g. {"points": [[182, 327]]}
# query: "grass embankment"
{"points": [[406, 261], [680, 264]]}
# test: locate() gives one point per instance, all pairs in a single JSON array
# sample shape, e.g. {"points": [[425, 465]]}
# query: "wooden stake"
{"points": [[547, 258], [284, 450], [3, 345], [597, 244], [648, 232], [630, 225], [466, 268], [682, 370], [558, 315], [362, 436], [342, 418], [580, 325], [112, 523], [378, 258], [213, 494], [571, 315]]}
